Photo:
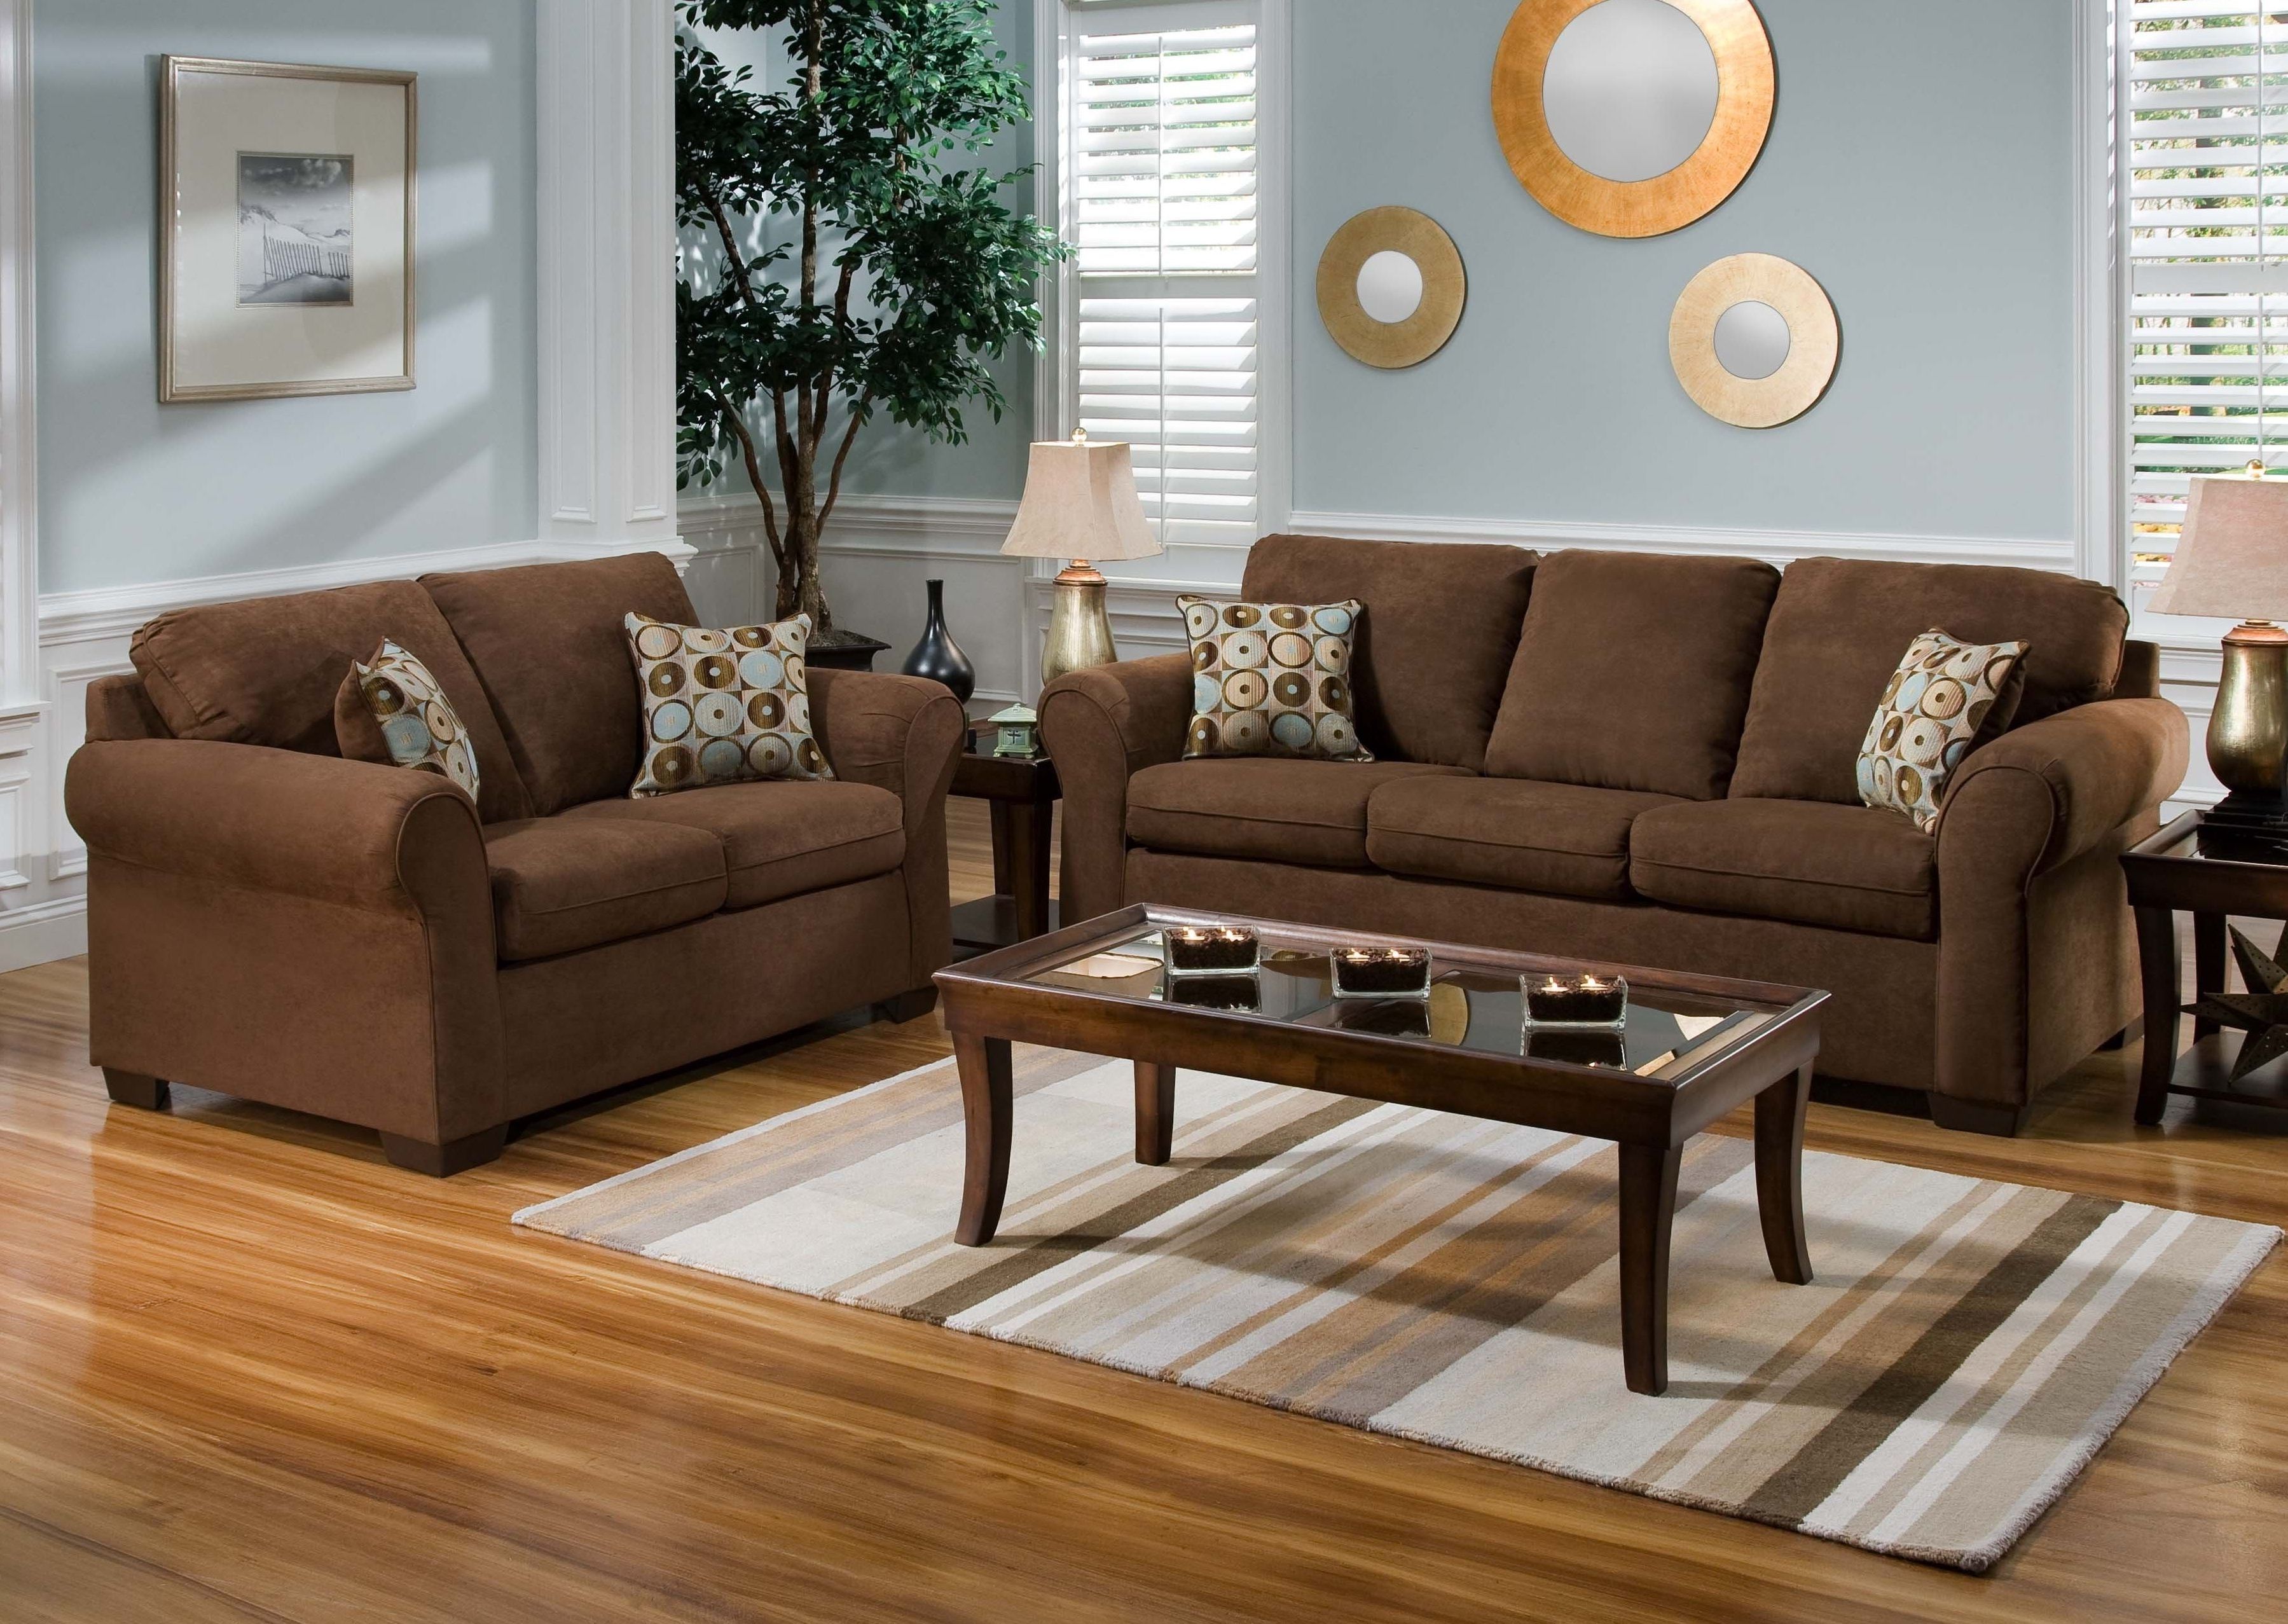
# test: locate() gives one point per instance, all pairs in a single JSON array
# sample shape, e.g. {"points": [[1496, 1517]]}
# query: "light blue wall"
{"points": [[1917, 166], [133, 491], [892, 461]]}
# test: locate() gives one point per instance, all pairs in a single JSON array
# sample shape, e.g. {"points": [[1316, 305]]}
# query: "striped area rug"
{"points": [[1967, 1347]]}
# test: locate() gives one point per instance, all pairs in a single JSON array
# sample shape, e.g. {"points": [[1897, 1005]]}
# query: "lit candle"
{"points": [[1199, 949], [1574, 1001], [1383, 973]]}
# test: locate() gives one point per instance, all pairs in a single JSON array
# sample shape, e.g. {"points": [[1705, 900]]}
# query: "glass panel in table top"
{"points": [[1468, 1007]]}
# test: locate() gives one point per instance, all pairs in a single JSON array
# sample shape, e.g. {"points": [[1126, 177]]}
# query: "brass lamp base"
{"points": [[2248, 740], [1080, 631]]}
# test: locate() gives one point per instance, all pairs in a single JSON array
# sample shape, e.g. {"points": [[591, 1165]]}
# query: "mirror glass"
{"points": [[1390, 287], [1752, 340], [1630, 91]]}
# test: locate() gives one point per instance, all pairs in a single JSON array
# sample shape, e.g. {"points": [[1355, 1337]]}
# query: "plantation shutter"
{"points": [[2207, 167], [1161, 182]]}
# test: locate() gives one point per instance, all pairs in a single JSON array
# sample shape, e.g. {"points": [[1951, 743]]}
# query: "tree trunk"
{"points": [[800, 591]]}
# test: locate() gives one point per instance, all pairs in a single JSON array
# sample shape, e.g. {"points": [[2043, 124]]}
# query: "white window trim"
{"points": [[2101, 301], [1054, 407]]}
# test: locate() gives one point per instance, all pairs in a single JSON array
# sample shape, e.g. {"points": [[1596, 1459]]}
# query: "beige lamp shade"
{"points": [[2232, 553], [1081, 502]]}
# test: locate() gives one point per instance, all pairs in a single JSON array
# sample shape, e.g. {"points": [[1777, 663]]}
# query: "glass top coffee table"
{"points": [[1689, 1050]]}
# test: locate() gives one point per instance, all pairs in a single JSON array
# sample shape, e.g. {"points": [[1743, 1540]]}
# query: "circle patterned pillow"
{"points": [[1929, 719], [723, 707], [1272, 679], [417, 723]]}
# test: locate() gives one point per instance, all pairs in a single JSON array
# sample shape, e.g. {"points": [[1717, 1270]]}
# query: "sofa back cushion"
{"points": [[1435, 642], [1838, 631], [265, 671], [550, 643], [1634, 672]]}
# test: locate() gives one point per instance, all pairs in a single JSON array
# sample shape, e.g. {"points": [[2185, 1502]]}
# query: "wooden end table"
{"points": [[2169, 874], [1697, 1047], [1023, 791]]}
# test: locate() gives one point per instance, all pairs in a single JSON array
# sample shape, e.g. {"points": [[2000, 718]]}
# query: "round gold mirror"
{"points": [[1754, 341], [1391, 288], [1629, 118]]}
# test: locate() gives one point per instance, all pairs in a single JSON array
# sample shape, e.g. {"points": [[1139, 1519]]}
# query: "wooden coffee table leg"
{"points": [[1779, 1176], [1155, 1114], [986, 1109], [2160, 966], [1648, 1212]]}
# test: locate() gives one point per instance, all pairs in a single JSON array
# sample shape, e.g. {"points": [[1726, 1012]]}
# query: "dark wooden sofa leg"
{"points": [[907, 1006], [1971, 1116], [443, 1160], [134, 1088]]}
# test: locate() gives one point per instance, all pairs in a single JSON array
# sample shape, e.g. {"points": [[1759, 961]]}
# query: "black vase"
{"points": [[937, 656]]}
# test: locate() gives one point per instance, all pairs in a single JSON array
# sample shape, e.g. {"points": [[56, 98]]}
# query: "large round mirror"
{"points": [[1389, 286], [1752, 340], [1630, 91], [1632, 117]]}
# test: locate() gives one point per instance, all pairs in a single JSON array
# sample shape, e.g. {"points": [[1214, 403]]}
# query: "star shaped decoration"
{"points": [[2262, 1012]]}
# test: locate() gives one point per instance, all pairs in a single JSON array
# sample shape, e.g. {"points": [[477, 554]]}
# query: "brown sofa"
{"points": [[360, 941], [1650, 760]]}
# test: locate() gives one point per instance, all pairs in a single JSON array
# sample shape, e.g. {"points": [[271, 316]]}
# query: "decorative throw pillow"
{"points": [[1272, 679], [1947, 698], [414, 718], [723, 707]]}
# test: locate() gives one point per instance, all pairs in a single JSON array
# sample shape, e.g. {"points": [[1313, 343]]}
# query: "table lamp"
{"points": [[1080, 505], [2232, 560]]}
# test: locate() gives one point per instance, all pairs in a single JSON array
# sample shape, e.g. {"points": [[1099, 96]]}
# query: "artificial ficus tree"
{"points": [[887, 272]]}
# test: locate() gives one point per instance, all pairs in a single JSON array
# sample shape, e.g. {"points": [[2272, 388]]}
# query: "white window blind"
{"points": [[2207, 167], [1161, 161]]}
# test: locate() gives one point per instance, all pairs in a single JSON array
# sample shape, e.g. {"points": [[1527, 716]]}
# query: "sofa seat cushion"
{"points": [[1558, 839], [779, 838], [1312, 812], [550, 643], [561, 884], [1806, 863]]}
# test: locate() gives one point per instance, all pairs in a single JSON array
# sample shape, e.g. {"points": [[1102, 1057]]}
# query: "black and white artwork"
{"points": [[294, 226]]}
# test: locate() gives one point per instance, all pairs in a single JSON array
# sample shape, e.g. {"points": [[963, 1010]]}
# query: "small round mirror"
{"points": [[1630, 89], [1752, 340], [1390, 287]]}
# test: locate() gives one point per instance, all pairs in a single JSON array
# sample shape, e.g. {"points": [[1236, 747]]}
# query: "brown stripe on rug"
{"points": [[1966, 1347]]}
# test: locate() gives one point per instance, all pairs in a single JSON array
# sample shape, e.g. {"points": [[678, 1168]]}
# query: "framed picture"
{"points": [[285, 229]]}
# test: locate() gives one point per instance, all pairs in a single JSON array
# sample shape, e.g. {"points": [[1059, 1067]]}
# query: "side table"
{"points": [[1023, 793], [2169, 874]]}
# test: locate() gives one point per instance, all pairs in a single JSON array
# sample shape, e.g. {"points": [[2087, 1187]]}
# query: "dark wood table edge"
{"points": [[987, 1008]]}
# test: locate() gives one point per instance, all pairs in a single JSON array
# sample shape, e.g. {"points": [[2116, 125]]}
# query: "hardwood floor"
{"points": [[252, 1373]]}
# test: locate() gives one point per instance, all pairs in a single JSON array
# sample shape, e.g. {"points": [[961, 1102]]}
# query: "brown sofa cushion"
{"points": [[1634, 672], [1435, 645], [1289, 811], [1564, 839], [1850, 867], [561, 884], [267, 670], [550, 643], [779, 839], [1839, 629]]}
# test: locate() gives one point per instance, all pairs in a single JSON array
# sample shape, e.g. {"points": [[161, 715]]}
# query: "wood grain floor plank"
{"points": [[256, 1373]]}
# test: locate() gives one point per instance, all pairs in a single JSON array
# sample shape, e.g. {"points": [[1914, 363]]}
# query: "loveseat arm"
{"points": [[2032, 907], [1102, 727], [300, 929], [903, 734]]}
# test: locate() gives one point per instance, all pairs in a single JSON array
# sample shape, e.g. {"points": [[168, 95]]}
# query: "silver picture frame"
{"points": [[178, 381]]}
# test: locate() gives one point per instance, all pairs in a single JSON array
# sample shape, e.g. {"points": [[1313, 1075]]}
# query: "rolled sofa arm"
{"points": [[904, 734], [1102, 727], [298, 929], [2022, 808]]}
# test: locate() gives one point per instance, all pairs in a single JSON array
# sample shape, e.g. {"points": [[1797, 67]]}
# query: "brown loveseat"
{"points": [[268, 919], [1650, 760]]}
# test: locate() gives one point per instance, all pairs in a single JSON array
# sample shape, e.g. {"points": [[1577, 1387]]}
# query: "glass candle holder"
{"points": [[1381, 973], [1582, 1002], [1242, 995], [1210, 950]]}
